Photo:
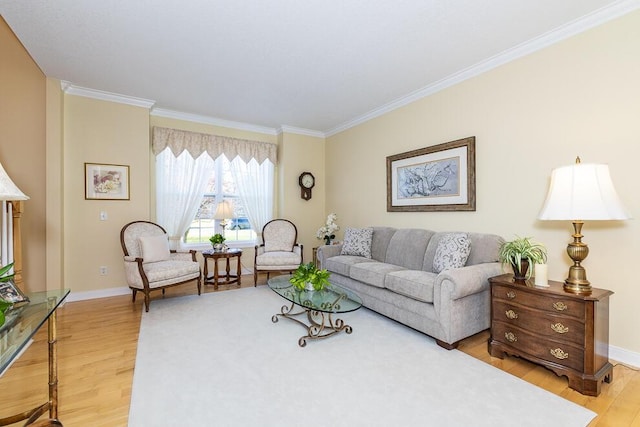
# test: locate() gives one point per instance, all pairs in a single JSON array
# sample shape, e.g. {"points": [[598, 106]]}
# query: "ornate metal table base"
{"points": [[321, 324]]}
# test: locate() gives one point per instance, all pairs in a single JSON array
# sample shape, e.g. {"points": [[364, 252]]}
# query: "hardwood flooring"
{"points": [[97, 343]]}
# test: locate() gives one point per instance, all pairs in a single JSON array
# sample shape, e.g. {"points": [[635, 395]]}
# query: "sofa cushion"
{"points": [[414, 284], [372, 273], [452, 252], [154, 248], [341, 264], [357, 241], [380, 242], [407, 247]]}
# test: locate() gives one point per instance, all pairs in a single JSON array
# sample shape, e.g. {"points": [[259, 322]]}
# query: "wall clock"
{"points": [[306, 181]]}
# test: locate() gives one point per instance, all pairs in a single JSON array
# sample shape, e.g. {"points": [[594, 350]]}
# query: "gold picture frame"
{"points": [[437, 178], [103, 181]]}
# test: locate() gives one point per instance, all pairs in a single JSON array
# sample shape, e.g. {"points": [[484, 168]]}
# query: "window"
{"points": [[220, 186]]}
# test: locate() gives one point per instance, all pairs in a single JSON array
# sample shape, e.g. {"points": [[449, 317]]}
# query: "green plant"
{"points": [[5, 277], [522, 248], [309, 273], [217, 239]]}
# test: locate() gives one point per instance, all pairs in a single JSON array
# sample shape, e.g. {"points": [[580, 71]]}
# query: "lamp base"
{"points": [[577, 282], [577, 250]]}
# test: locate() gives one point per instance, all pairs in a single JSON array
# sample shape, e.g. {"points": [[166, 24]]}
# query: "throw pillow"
{"points": [[154, 248], [357, 241], [452, 252]]}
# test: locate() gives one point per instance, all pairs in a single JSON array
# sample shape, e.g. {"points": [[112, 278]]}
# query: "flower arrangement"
{"points": [[327, 231], [309, 273]]}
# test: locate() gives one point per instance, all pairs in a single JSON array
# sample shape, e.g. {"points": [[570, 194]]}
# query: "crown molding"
{"points": [[171, 114], [72, 89], [591, 20], [301, 131]]}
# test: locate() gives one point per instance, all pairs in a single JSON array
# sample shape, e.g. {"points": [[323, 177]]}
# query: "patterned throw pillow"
{"points": [[357, 241], [452, 252]]}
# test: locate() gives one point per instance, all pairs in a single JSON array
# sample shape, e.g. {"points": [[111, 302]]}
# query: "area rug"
{"points": [[218, 360]]}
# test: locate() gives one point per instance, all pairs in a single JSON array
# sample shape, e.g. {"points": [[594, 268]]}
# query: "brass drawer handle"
{"points": [[558, 353], [560, 306], [511, 295], [559, 328], [511, 314], [510, 336]]}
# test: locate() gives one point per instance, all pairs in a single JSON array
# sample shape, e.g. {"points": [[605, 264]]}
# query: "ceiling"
{"points": [[307, 65]]}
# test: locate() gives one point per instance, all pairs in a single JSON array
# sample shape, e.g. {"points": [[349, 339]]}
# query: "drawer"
{"points": [[550, 303], [562, 353], [541, 323]]}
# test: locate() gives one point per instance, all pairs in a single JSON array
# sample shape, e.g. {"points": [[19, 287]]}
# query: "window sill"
{"points": [[204, 246]]}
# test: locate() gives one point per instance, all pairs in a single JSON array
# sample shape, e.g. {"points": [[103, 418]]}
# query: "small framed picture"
{"points": [[11, 293], [106, 182]]}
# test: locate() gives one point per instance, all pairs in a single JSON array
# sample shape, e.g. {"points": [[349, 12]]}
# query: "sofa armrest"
{"points": [[461, 282], [328, 251]]}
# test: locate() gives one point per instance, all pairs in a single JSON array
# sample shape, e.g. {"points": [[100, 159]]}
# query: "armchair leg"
{"points": [[133, 297], [199, 285], [147, 300], [255, 277]]}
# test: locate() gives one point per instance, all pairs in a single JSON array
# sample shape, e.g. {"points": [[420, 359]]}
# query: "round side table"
{"points": [[228, 278]]}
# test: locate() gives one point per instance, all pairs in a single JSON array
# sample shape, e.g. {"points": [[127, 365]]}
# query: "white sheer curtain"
{"points": [[180, 184], [255, 182]]}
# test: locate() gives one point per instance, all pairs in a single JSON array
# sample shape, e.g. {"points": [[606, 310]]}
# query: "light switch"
{"points": [[103, 216]]}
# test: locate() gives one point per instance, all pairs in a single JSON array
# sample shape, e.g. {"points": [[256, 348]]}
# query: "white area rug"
{"points": [[218, 360]]}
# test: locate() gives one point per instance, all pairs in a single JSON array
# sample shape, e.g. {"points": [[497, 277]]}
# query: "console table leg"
{"points": [[53, 366]]}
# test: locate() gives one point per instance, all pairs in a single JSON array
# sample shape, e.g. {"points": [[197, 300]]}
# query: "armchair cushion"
{"points": [[154, 248]]}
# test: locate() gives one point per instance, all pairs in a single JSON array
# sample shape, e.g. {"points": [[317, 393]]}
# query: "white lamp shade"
{"points": [[582, 192], [224, 210], [8, 190]]}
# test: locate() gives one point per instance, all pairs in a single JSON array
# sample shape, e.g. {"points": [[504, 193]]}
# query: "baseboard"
{"points": [[625, 356], [100, 293]]}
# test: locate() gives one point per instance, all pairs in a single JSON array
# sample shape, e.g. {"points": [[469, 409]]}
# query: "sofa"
{"points": [[420, 278]]}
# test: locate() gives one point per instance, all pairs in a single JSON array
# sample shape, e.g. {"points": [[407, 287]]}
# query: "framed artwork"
{"points": [[11, 293], [106, 182], [437, 178]]}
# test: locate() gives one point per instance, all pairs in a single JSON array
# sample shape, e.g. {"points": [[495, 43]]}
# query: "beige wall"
{"points": [[22, 146], [299, 154], [578, 97], [101, 132]]}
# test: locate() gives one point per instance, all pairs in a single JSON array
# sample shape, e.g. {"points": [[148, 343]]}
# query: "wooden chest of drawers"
{"points": [[565, 332]]}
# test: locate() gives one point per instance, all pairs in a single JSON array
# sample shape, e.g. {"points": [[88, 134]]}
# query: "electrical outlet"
{"points": [[103, 270], [103, 216]]}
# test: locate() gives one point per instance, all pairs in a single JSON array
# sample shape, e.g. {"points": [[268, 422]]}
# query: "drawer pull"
{"points": [[511, 314], [560, 306], [511, 295], [558, 353], [559, 328], [510, 336]]}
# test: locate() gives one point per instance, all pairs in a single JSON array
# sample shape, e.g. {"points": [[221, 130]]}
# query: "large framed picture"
{"points": [[106, 182], [437, 178]]}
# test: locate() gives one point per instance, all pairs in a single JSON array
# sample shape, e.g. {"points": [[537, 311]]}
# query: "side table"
{"points": [[565, 332], [227, 278]]}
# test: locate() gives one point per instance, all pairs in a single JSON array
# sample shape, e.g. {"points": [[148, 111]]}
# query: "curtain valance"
{"points": [[197, 143]]}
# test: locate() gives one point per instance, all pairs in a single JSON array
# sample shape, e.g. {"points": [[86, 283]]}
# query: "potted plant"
{"points": [[309, 277], [217, 241], [520, 254], [5, 276]]}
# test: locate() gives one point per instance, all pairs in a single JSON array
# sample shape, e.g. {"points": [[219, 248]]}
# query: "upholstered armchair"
{"points": [[279, 251], [150, 265]]}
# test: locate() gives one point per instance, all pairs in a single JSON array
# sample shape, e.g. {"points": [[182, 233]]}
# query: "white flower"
{"points": [[328, 230]]}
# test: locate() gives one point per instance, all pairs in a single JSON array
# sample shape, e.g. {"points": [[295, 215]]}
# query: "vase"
{"points": [[308, 286], [327, 240], [520, 274], [218, 247]]}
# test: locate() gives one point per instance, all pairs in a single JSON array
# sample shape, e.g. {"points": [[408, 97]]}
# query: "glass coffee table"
{"points": [[318, 306]]}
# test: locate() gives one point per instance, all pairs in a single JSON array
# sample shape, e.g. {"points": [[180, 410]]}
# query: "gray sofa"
{"points": [[398, 281]]}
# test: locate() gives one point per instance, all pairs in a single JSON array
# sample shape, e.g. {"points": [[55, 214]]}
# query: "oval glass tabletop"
{"points": [[332, 299]]}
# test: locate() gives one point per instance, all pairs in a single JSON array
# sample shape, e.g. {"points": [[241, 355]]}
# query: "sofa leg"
{"points": [[447, 346]]}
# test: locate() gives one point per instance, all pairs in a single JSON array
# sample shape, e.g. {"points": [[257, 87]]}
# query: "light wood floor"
{"points": [[97, 343]]}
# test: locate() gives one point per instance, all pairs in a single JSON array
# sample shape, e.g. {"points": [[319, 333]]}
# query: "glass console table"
{"points": [[21, 324], [318, 306]]}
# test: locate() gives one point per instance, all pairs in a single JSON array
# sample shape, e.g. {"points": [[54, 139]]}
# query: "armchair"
{"points": [[150, 265], [279, 250]]}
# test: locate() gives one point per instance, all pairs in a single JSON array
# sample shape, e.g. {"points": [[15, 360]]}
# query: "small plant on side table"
{"points": [[309, 273], [521, 254], [217, 241]]}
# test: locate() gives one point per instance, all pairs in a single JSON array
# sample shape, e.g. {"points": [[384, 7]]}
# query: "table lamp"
{"points": [[223, 211], [577, 193], [8, 190]]}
